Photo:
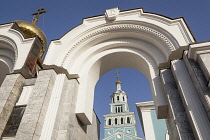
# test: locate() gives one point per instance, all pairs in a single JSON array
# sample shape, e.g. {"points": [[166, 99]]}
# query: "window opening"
{"points": [[121, 120], [128, 120], [110, 121], [115, 120]]}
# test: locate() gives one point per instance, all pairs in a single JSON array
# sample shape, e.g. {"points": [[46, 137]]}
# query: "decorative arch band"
{"points": [[115, 28]]}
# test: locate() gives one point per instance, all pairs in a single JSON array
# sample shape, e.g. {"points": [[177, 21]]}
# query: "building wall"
{"points": [[49, 110], [126, 129], [159, 126], [154, 128]]}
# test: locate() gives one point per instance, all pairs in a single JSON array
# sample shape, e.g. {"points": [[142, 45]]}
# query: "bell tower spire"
{"points": [[118, 82], [119, 96]]}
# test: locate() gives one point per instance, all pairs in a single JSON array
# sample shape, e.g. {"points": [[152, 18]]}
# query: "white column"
{"points": [[193, 106], [148, 126], [53, 108]]}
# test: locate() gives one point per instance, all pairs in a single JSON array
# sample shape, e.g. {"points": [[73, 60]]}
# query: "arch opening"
{"points": [[95, 50], [110, 59], [134, 84], [7, 57]]}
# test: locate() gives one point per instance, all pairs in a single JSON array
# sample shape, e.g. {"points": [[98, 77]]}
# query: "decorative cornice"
{"points": [[180, 21], [119, 28], [60, 70], [145, 106], [198, 48], [118, 114], [119, 125]]}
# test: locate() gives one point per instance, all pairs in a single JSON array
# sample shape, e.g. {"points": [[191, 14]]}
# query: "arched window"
{"points": [[128, 120], [121, 110], [123, 98], [110, 121], [118, 98], [116, 109], [115, 120], [121, 120]]}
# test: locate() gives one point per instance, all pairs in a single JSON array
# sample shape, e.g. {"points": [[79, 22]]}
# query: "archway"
{"points": [[142, 41], [8, 56]]}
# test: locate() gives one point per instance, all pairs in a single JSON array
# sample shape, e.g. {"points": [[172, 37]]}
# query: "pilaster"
{"points": [[32, 122], [70, 127], [68, 111], [53, 115], [9, 93], [67, 123], [199, 81], [193, 106], [200, 52], [203, 60], [179, 127]]}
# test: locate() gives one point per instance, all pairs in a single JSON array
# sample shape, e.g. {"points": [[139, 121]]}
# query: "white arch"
{"points": [[129, 44], [100, 63], [135, 39], [8, 56], [15, 46]]}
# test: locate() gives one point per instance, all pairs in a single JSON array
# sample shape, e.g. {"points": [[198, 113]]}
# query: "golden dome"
{"points": [[118, 82], [31, 30]]}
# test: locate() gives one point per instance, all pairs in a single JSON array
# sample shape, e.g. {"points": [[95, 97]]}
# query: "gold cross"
{"points": [[40, 11], [117, 73]]}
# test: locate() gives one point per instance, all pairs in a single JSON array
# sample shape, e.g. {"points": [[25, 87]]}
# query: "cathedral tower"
{"points": [[120, 124]]}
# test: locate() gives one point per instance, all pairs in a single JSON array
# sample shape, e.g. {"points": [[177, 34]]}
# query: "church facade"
{"points": [[52, 99], [120, 123]]}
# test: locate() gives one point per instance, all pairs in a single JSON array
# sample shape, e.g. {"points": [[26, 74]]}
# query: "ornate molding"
{"points": [[111, 14], [11, 43], [118, 28]]}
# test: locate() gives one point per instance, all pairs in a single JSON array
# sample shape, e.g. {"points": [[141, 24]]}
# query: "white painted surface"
{"points": [[52, 110], [148, 126], [167, 136], [111, 14], [8, 138], [145, 118], [193, 106], [24, 97], [198, 49], [18, 46]]}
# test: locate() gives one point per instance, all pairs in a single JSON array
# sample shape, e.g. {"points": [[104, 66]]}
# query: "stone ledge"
{"points": [[60, 70], [200, 52]]}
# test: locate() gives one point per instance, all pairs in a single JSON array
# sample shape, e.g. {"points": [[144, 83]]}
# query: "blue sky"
{"points": [[63, 15]]}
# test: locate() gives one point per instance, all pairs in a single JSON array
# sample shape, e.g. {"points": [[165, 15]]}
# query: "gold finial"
{"points": [[40, 11]]}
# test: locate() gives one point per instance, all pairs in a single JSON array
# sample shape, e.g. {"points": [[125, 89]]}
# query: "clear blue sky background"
{"points": [[63, 15]]}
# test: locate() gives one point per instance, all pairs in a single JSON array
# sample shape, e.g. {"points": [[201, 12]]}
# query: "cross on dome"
{"points": [[117, 74], [40, 11]]}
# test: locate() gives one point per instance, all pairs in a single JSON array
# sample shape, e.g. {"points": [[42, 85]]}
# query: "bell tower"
{"points": [[120, 123]]}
